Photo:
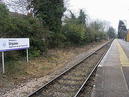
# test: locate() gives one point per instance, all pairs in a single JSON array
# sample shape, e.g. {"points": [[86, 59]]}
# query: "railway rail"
{"points": [[71, 82]]}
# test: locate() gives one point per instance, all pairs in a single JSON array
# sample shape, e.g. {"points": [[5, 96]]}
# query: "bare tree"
{"points": [[19, 6]]}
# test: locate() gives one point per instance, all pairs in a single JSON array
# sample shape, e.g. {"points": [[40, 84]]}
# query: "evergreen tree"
{"points": [[82, 17], [111, 33], [50, 12], [122, 30]]}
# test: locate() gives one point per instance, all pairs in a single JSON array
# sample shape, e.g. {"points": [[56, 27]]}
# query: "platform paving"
{"points": [[110, 79]]}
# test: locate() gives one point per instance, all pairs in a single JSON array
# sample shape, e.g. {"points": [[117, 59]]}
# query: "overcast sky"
{"points": [[109, 10]]}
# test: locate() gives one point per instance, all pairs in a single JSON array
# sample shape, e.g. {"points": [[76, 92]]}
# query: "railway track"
{"points": [[71, 82], [86, 90]]}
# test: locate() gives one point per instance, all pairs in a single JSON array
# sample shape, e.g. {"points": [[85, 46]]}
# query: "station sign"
{"points": [[8, 44]]}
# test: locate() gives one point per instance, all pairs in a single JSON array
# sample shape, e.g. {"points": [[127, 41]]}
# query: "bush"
{"points": [[15, 25], [75, 33]]}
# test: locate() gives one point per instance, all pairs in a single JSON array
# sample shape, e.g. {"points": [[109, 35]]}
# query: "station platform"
{"points": [[112, 78]]}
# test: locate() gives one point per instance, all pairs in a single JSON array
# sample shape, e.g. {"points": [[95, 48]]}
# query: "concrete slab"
{"points": [[126, 74], [110, 80], [125, 67]]}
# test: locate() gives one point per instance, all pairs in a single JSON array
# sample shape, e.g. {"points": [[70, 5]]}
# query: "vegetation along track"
{"points": [[70, 82]]}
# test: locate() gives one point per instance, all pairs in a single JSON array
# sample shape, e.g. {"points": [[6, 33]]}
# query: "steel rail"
{"points": [[69, 69], [85, 82]]}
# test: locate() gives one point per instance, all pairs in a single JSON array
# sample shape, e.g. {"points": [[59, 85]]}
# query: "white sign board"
{"points": [[8, 44]]}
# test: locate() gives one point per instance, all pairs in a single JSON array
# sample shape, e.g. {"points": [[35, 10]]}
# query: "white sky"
{"points": [[109, 10]]}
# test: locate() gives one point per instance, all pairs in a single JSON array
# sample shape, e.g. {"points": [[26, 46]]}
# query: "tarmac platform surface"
{"points": [[112, 78]]}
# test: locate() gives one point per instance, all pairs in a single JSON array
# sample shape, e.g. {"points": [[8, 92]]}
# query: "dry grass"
{"points": [[56, 59], [44, 65]]}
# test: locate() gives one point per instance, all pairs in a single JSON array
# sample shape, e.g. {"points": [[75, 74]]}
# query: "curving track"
{"points": [[71, 82]]}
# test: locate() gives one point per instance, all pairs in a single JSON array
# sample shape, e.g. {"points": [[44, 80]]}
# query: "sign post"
{"points": [[9, 44], [3, 62], [27, 55]]}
